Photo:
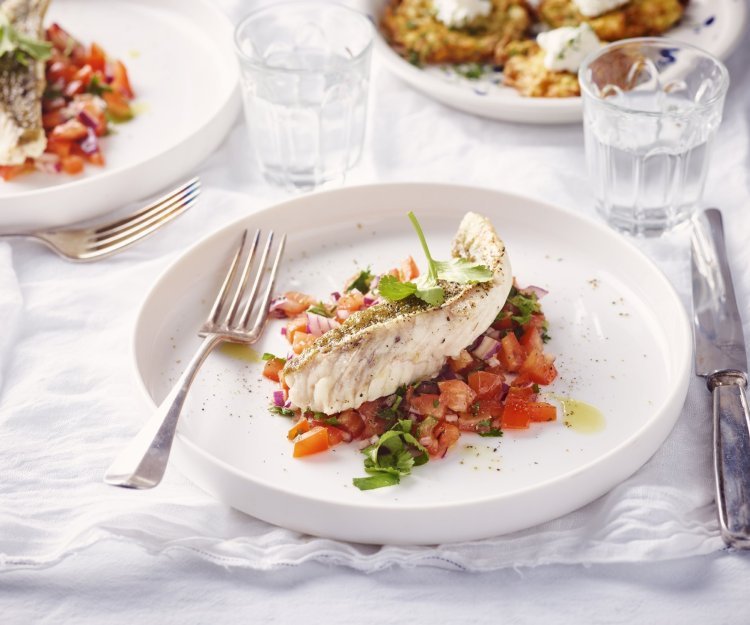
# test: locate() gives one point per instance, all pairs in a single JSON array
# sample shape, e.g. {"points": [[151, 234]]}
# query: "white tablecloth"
{"points": [[119, 580]]}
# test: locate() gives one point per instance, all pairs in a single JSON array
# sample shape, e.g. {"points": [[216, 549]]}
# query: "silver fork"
{"points": [[142, 463], [96, 242]]}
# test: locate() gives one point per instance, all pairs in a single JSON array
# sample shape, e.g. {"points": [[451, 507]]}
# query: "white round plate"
{"points": [[714, 25], [620, 334], [182, 67]]}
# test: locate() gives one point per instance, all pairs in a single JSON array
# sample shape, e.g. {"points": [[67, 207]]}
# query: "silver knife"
{"points": [[720, 357]]}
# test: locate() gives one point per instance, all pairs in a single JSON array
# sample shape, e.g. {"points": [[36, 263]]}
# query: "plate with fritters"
{"points": [[461, 68]]}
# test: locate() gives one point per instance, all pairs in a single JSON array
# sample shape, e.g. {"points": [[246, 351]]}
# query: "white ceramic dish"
{"points": [[182, 66], [714, 25], [620, 333]]}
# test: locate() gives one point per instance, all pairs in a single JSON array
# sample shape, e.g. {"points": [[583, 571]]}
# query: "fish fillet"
{"points": [[394, 343], [21, 88]]}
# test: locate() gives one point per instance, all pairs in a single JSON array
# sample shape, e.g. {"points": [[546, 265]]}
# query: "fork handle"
{"points": [[732, 456], [142, 463]]}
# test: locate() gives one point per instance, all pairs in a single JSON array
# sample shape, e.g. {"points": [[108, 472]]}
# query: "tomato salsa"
{"points": [[85, 91], [490, 386]]}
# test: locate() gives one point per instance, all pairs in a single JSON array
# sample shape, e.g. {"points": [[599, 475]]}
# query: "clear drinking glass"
{"points": [[651, 108], [305, 72]]}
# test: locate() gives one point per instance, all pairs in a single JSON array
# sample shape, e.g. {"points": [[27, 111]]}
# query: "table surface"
{"points": [[116, 581]]}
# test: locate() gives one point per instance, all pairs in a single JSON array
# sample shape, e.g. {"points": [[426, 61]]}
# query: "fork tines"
{"points": [[235, 321], [124, 231]]}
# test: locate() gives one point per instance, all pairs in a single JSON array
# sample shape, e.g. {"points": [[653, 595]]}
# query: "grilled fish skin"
{"points": [[21, 88], [394, 343]]}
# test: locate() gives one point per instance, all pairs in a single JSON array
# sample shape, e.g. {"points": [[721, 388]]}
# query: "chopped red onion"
{"points": [[288, 404], [276, 309], [336, 296], [283, 331], [451, 418], [504, 391], [427, 388], [487, 348], [492, 333], [446, 373], [368, 301], [87, 119], [48, 163], [90, 145], [537, 290], [317, 325], [475, 344], [426, 440], [278, 398], [362, 444], [493, 362], [343, 314]]}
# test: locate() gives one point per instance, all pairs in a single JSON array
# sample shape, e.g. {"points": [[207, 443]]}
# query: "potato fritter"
{"points": [[413, 31], [525, 71], [638, 18]]}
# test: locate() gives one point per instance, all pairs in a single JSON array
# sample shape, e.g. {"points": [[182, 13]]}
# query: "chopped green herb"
{"points": [[21, 46], [535, 387], [475, 408], [485, 423], [435, 403], [414, 59], [320, 309], [526, 305], [97, 87], [491, 432], [473, 71], [268, 356], [330, 420], [284, 412], [361, 282], [393, 455], [426, 287]]}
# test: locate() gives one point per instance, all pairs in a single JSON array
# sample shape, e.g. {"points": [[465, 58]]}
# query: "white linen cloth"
{"points": [[69, 400]]}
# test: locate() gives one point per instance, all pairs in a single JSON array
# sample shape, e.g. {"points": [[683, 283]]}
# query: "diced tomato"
{"points": [[511, 354], [542, 411], [351, 301], [457, 395], [428, 405], [489, 409], [96, 158], [120, 81], [461, 362], [311, 442], [294, 325], [272, 368], [504, 323], [301, 341], [302, 426], [61, 147], [531, 340], [72, 164], [538, 367], [53, 118], [373, 423], [408, 270], [74, 87], [84, 74], [447, 435], [64, 42], [97, 58], [294, 303], [117, 106], [516, 415], [71, 130], [350, 421], [468, 422], [60, 70], [8, 172], [525, 393], [485, 385], [335, 435]]}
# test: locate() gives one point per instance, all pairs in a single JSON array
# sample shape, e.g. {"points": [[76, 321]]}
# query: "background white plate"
{"points": [[182, 66], [714, 25], [619, 331]]}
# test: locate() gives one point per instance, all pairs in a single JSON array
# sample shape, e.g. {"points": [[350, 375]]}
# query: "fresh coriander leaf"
{"points": [[475, 408], [361, 282], [21, 46], [491, 432], [267, 356], [472, 71], [284, 412], [320, 309], [484, 423], [462, 271], [393, 290], [414, 59], [526, 305], [404, 462], [378, 480], [331, 421], [97, 87], [427, 292]]}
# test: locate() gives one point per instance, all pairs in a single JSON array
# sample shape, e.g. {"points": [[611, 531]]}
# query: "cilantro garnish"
{"points": [[97, 87], [361, 282], [20, 45], [426, 287], [472, 71], [320, 309], [267, 356], [330, 420], [392, 457], [281, 411], [491, 432], [526, 305]]}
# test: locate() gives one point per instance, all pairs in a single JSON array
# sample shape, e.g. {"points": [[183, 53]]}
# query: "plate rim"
{"points": [[677, 394]]}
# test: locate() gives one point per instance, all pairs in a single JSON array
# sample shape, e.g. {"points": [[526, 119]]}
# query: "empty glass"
{"points": [[650, 108], [305, 73]]}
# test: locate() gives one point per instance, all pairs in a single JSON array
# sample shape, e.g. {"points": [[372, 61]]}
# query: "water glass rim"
{"points": [[662, 42], [299, 3]]}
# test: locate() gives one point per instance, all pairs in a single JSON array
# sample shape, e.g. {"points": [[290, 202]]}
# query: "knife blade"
{"points": [[721, 358]]}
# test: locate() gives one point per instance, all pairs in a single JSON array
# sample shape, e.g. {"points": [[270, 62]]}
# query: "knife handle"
{"points": [[732, 455]]}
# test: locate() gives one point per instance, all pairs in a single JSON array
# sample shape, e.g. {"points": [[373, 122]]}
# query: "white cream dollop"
{"points": [[566, 47], [457, 13], [592, 8]]}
